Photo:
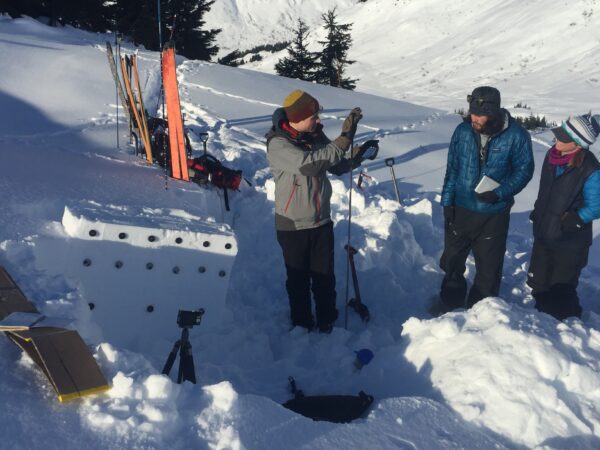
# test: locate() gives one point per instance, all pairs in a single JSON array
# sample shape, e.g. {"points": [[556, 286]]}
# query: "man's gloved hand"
{"points": [[488, 197], [532, 216], [367, 150], [571, 222], [348, 129], [351, 122], [449, 215]]}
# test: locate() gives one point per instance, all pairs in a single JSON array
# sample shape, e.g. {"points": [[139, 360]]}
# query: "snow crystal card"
{"points": [[486, 184]]}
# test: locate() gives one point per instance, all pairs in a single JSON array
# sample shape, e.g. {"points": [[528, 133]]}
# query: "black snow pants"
{"points": [[553, 277], [485, 235], [308, 256]]}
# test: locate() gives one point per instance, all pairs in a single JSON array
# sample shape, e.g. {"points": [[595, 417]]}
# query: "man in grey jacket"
{"points": [[299, 156]]}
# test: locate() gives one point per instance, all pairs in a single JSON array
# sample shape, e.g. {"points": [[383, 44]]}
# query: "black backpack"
{"points": [[330, 408], [159, 142]]}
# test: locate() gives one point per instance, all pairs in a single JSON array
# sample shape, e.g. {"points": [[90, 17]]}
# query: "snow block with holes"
{"points": [[136, 269]]}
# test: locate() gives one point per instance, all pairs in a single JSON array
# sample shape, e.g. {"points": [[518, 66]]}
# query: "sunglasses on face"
{"points": [[479, 101], [555, 140]]}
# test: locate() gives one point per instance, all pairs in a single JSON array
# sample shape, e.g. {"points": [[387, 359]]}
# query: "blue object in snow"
{"points": [[363, 357]]}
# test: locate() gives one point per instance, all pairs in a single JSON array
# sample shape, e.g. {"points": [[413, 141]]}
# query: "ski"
{"points": [[143, 117], [176, 134], [115, 74], [136, 114]]}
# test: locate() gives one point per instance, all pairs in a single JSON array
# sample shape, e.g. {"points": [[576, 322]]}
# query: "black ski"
{"points": [[113, 68]]}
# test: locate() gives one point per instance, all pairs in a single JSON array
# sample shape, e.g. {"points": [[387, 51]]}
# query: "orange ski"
{"points": [[176, 136], [141, 102], [136, 114]]}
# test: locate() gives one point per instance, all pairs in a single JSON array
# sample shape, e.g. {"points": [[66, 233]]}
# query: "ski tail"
{"points": [[176, 134]]}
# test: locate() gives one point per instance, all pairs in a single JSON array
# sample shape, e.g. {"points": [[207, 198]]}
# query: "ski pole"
{"points": [[117, 90], [160, 42], [348, 243], [390, 163]]}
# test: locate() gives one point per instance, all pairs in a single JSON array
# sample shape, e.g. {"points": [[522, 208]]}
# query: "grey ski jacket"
{"points": [[299, 163]]}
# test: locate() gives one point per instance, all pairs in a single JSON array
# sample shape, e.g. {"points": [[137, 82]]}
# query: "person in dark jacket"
{"points": [[489, 161], [300, 155], [568, 202]]}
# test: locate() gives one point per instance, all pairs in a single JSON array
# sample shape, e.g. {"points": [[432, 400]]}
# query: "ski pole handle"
{"points": [[390, 163], [204, 138]]}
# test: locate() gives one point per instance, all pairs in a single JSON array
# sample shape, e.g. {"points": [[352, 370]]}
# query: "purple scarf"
{"points": [[557, 158]]}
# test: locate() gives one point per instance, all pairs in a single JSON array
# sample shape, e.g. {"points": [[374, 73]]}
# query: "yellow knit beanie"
{"points": [[299, 105]]}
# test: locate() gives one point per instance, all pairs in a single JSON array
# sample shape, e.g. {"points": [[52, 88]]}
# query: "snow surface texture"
{"points": [[540, 53], [497, 376]]}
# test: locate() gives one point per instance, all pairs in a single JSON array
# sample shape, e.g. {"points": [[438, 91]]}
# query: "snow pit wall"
{"points": [[135, 278]]}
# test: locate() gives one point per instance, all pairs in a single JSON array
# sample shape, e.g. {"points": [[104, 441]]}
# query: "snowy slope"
{"points": [[543, 53], [497, 376], [262, 21]]}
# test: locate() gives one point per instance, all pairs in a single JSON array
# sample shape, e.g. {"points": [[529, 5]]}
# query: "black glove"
{"points": [[449, 215], [571, 222], [488, 197], [532, 216], [370, 147]]}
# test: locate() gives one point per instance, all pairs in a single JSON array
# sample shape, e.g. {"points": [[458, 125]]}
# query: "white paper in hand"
{"points": [[486, 184]]}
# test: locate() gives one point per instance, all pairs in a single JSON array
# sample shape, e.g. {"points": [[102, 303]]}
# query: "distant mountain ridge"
{"points": [[540, 52]]}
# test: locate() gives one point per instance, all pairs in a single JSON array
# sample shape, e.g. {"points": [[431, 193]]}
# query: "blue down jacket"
{"points": [[509, 162]]}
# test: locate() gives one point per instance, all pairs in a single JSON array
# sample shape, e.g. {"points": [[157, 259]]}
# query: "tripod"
{"points": [[186, 358]]}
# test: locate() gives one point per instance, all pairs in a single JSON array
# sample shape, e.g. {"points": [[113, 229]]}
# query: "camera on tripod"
{"points": [[187, 319], [187, 372]]}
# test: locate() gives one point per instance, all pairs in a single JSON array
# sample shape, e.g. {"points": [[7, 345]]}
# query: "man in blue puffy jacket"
{"points": [[489, 161]]}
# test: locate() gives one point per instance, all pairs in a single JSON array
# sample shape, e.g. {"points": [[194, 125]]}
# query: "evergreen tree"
{"points": [[138, 19], [127, 14], [191, 38], [300, 63], [181, 20], [18, 8], [334, 60], [92, 15]]}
